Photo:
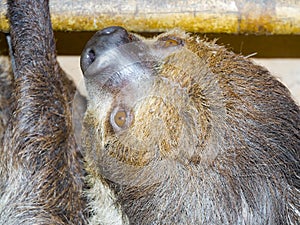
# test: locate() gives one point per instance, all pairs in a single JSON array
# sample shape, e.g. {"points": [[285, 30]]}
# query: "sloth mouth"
{"points": [[129, 75], [121, 66]]}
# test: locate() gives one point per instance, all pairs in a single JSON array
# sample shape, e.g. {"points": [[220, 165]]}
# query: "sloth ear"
{"points": [[170, 41]]}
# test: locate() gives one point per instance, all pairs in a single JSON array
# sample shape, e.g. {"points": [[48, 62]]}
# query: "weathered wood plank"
{"points": [[213, 16]]}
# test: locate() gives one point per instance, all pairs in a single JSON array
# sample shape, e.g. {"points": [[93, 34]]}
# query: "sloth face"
{"points": [[148, 103]]}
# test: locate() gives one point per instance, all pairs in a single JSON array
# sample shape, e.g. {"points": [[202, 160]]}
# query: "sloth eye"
{"points": [[120, 118]]}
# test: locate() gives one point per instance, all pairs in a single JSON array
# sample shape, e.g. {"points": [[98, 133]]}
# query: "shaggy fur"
{"points": [[6, 88], [186, 132], [41, 175]]}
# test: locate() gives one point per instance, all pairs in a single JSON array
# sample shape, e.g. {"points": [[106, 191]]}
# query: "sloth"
{"points": [[178, 130], [41, 172], [41, 166], [186, 132]]}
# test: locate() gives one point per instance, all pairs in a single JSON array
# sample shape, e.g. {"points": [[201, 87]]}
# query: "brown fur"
{"points": [[211, 138], [41, 176], [6, 88]]}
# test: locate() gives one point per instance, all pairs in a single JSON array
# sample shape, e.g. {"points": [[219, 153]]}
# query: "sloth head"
{"points": [[151, 104]]}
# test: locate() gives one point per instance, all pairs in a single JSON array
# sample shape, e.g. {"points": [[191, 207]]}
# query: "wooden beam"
{"points": [[214, 16]]}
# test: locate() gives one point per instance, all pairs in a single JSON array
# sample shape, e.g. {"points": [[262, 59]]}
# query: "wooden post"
{"points": [[215, 16]]}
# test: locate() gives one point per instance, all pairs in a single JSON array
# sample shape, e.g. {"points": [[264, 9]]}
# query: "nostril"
{"points": [[91, 56], [101, 42], [87, 58]]}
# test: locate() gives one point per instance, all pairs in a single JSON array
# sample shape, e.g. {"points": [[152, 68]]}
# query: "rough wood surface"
{"points": [[214, 16]]}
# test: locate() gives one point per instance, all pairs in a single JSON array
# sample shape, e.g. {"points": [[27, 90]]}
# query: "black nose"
{"points": [[103, 40]]}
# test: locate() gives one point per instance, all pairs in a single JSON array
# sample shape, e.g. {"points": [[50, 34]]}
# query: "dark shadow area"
{"points": [[3, 44], [265, 46]]}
